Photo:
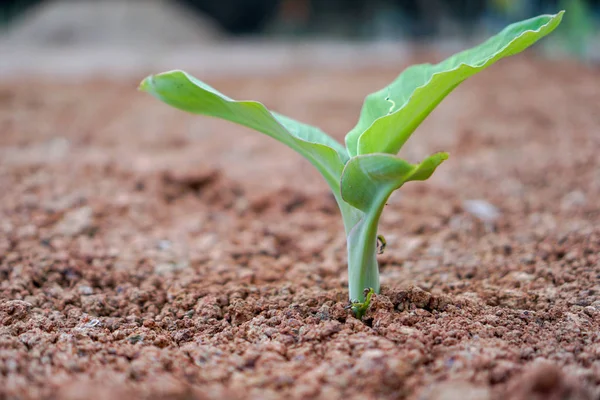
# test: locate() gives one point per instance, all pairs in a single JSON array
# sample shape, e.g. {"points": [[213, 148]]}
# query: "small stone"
{"points": [[545, 380], [419, 297], [93, 323], [85, 290], [75, 222], [11, 365], [528, 259], [482, 209], [590, 311], [370, 360], [16, 308], [26, 231], [573, 200], [6, 227], [435, 250], [161, 341], [527, 352], [523, 277], [457, 391], [164, 245], [133, 339]]}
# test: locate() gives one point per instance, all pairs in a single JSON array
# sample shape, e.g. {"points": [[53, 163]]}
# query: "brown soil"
{"points": [[145, 253]]}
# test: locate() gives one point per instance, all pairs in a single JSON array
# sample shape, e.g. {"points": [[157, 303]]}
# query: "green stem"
{"points": [[363, 270]]}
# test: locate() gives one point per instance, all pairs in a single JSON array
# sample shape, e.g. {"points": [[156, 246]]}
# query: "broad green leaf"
{"points": [[183, 91], [370, 178], [389, 116]]}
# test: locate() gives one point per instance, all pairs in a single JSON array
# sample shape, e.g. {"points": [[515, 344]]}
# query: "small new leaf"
{"points": [[360, 308], [369, 179]]}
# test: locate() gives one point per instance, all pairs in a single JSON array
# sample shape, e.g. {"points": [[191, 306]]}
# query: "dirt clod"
{"points": [[547, 381]]}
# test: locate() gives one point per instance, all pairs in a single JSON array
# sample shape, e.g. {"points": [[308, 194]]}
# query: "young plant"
{"points": [[363, 174]]}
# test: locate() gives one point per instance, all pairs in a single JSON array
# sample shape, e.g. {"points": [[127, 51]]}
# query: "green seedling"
{"points": [[359, 309], [364, 173]]}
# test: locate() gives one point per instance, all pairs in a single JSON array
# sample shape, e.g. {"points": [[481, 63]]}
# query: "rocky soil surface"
{"points": [[146, 253]]}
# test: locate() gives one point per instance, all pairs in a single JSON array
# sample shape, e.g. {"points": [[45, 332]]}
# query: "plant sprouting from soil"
{"points": [[364, 173]]}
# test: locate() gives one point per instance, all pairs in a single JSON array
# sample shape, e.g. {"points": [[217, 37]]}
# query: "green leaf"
{"points": [[369, 179], [183, 91], [389, 116]]}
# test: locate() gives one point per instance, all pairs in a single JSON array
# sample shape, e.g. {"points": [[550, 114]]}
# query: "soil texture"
{"points": [[147, 253]]}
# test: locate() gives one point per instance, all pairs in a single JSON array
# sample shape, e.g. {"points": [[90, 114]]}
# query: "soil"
{"points": [[147, 253]]}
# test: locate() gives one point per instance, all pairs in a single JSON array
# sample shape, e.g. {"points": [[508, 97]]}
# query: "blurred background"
{"points": [[357, 19], [67, 35]]}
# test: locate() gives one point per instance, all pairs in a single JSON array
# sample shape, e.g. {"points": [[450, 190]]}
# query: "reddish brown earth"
{"points": [[145, 253]]}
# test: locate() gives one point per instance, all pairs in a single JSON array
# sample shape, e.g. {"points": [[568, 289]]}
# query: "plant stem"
{"points": [[363, 270]]}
